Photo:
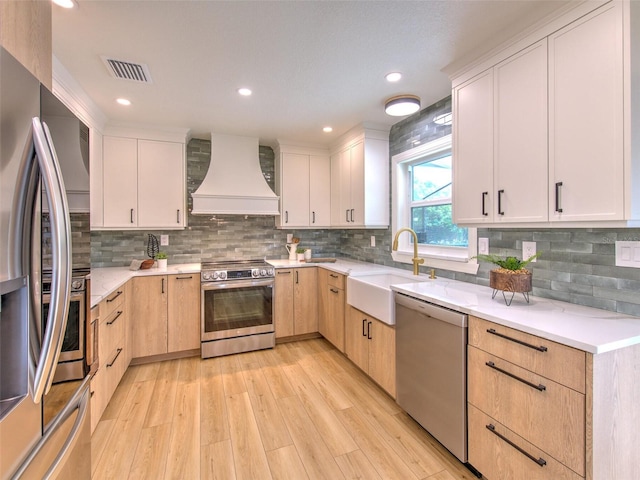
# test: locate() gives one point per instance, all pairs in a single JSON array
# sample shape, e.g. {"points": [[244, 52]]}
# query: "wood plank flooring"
{"points": [[299, 411]]}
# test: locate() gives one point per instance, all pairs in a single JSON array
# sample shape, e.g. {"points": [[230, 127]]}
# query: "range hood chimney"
{"points": [[234, 183]]}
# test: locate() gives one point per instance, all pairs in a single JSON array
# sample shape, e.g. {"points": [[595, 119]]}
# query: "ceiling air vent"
{"points": [[124, 70]]}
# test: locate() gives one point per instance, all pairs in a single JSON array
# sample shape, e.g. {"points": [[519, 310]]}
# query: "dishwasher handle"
{"points": [[458, 319]]}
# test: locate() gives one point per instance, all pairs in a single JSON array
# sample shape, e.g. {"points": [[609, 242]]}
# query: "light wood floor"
{"points": [[301, 410]]}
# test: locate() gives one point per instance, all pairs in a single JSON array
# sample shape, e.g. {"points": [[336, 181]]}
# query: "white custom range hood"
{"points": [[234, 183]]}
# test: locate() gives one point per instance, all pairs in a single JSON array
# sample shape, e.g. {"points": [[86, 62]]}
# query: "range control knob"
{"points": [[76, 284], [222, 275], [270, 272], [206, 276], [263, 272], [255, 272]]}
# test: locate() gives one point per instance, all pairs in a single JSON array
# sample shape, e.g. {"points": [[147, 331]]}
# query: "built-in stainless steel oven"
{"points": [[72, 363], [237, 307]]}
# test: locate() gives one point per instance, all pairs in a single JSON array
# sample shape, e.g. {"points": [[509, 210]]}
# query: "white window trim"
{"points": [[448, 258]]}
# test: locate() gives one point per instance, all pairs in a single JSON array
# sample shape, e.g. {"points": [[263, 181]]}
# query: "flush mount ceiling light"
{"points": [[402, 105], [327, 129], [245, 92], [123, 101]]}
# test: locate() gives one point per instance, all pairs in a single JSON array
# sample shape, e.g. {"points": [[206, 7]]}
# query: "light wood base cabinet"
{"points": [[296, 301], [331, 308], [575, 410], [166, 314], [113, 322], [371, 345]]}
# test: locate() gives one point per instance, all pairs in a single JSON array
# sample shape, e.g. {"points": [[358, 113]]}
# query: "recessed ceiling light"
{"points": [[65, 3], [245, 92], [123, 101], [393, 76], [327, 129]]}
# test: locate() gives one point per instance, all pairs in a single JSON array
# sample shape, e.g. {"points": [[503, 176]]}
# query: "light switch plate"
{"points": [[289, 237], [164, 240], [483, 246], [373, 241], [628, 254]]}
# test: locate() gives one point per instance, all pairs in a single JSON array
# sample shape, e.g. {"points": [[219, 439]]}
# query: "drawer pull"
{"points": [[540, 461], [333, 275], [184, 278], [114, 358], [109, 300], [535, 347], [333, 290], [364, 324], [539, 387], [115, 318]]}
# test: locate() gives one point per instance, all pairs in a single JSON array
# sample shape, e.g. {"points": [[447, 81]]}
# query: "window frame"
{"points": [[458, 259]]}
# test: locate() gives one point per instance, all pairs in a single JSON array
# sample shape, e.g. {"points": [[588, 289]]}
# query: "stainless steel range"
{"points": [[72, 363], [237, 307]]}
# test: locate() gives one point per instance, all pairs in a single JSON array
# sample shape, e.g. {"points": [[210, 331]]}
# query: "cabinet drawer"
{"points": [[492, 454], [114, 301], [112, 333], [547, 414], [336, 280], [560, 363]]}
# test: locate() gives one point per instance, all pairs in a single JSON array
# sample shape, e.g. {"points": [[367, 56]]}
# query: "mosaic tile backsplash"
{"points": [[576, 265]]}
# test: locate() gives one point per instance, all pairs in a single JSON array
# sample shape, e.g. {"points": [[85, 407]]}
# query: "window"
{"points": [[422, 183]]}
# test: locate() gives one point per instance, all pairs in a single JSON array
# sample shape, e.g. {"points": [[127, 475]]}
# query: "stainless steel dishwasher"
{"points": [[431, 370]]}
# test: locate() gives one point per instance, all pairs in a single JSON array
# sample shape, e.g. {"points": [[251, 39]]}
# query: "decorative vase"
{"points": [[162, 264], [307, 255], [509, 281]]}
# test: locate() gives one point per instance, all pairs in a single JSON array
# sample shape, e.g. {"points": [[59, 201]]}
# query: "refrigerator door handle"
{"points": [[60, 259], [79, 402]]}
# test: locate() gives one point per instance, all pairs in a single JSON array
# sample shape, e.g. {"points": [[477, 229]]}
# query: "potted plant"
{"points": [[300, 252], [161, 257], [510, 276]]}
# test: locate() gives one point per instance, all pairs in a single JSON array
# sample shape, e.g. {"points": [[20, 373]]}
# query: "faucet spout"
{"points": [[416, 260]]}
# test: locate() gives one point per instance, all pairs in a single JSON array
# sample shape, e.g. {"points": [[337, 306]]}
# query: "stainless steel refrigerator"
{"points": [[44, 432]]}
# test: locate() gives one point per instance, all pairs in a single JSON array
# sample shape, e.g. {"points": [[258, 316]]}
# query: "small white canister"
{"points": [[307, 255]]}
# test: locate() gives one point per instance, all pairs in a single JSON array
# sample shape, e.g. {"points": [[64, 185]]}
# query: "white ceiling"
{"points": [[309, 63]]}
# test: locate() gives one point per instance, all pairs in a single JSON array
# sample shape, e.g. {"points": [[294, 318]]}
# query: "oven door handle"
{"points": [[236, 284]]}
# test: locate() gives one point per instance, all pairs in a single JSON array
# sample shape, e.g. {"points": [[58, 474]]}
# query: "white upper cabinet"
{"points": [[557, 123], [360, 181], [586, 118], [143, 183], [500, 132], [303, 184]]}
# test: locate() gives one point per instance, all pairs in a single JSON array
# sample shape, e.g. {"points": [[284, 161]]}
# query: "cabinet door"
{"points": [[295, 190], [356, 185], [335, 316], [305, 300], [120, 181], [521, 137], [283, 308], [473, 194], [356, 343], [161, 184], [319, 191], [149, 315], [183, 329], [586, 118], [382, 355], [341, 188]]}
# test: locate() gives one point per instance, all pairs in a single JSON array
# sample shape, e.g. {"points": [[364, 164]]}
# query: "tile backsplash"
{"points": [[576, 265]]}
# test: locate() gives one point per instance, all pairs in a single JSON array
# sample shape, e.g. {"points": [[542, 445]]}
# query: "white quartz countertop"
{"points": [[104, 281], [589, 329]]}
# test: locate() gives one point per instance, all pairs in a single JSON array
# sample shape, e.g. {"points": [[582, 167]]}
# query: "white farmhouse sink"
{"points": [[372, 293]]}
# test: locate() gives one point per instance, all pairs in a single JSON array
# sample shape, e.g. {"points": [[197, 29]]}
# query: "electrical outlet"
{"points": [[289, 237], [373, 240], [164, 240], [483, 246], [528, 250], [628, 254]]}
